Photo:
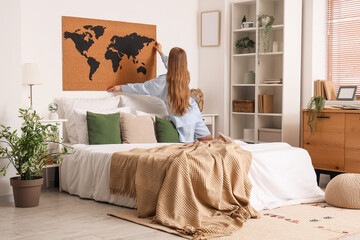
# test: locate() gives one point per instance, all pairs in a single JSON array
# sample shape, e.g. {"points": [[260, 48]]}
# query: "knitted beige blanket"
{"points": [[201, 189]]}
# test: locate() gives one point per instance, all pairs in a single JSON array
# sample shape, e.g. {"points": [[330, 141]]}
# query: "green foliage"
{"points": [[268, 24], [245, 42], [53, 107], [28, 151], [243, 19], [314, 107]]}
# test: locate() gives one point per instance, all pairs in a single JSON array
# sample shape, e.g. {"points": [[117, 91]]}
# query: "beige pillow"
{"points": [[137, 129]]}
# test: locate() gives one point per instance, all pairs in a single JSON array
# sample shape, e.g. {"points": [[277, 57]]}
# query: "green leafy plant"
{"points": [[314, 107], [245, 43], [28, 151], [243, 19], [53, 107], [265, 31]]}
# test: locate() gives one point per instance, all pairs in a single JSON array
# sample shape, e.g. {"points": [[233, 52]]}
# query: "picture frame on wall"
{"points": [[346, 93], [210, 28]]}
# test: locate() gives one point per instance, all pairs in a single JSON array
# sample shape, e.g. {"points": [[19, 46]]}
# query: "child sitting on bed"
{"points": [[173, 89]]}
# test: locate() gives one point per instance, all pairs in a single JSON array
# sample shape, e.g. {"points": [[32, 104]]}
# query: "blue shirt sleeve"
{"points": [[164, 59], [153, 87]]}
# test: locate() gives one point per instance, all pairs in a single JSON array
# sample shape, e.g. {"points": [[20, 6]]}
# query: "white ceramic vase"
{"points": [[53, 115]]}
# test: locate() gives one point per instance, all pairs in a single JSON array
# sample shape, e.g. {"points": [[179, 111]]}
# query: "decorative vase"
{"points": [[249, 77], [26, 192], [53, 115]]}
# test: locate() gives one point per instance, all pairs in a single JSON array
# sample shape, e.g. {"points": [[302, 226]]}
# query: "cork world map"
{"points": [[98, 54]]}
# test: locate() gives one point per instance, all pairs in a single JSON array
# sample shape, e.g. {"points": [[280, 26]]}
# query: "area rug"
{"points": [[300, 222]]}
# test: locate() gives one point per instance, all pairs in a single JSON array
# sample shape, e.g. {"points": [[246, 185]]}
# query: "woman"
{"points": [[173, 89]]}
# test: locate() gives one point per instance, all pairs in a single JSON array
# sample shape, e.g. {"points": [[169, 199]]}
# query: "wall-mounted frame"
{"points": [[346, 93], [210, 28]]}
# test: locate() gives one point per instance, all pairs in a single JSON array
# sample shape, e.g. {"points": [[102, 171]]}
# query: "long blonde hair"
{"points": [[178, 79]]}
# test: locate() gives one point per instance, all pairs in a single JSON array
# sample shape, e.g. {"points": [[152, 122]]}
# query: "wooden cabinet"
{"points": [[335, 144], [352, 143]]}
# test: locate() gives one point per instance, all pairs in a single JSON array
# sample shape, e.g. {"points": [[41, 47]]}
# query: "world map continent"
{"points": [[119, 46]]}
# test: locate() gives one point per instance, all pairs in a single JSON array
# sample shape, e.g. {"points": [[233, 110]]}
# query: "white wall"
{"points": [[41, 34], [10, 76], [33, 34], [314, 56], [213, 69]]}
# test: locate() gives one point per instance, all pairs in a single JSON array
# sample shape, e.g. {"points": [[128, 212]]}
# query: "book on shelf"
{"points": [[266, 103], [273, 80], [325, 89]]}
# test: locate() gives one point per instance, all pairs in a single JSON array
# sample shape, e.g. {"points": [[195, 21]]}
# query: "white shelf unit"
{"points": [[283, 64]]}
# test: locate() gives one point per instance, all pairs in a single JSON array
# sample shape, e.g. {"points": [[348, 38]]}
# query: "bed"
{"points": [[281, 175]]}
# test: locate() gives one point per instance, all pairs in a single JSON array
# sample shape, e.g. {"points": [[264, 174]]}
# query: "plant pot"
{"points": [[53, 116], [26, 192], [244, 50]]}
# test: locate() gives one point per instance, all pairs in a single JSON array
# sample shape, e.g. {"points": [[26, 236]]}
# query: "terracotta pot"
{"points": [[26, 192]]}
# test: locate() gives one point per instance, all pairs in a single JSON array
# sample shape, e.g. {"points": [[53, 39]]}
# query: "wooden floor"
{"points": [[63, 216]]}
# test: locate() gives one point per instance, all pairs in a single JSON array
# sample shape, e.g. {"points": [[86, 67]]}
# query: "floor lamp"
{"points": [[31, 77]]}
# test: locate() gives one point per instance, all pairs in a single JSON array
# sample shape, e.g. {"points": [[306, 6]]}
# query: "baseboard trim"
{"points": [[7, 198]]}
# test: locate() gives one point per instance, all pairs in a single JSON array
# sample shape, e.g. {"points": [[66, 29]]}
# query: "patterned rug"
{"points": [[300, 222]]}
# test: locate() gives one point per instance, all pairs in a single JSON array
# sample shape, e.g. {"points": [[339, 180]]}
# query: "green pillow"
{"points": [[166, 131], [103, 128]]}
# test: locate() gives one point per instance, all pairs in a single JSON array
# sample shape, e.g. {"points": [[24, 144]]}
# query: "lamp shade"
{"points": [[31, 74]]}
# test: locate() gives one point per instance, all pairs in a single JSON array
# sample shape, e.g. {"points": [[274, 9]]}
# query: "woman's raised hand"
{"points": [[116, 88], [158, 47]]}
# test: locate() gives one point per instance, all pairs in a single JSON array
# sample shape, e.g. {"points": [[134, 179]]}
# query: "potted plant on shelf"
{"points": [[245, 44], [28, 152], [243, 21], [53, 107], [314, 107], [265, 31]]}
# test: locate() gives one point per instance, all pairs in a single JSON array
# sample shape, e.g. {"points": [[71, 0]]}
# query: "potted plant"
{"points": [[28, 152], [245, 44], [314, 107], [243, 21], [53, 107], [265, 31]]}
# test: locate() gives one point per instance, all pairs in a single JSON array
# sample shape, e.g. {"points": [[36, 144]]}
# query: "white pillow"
{"points": [[69, 104], [164, 116], [81, 121], [143, 103], [89, 104]]}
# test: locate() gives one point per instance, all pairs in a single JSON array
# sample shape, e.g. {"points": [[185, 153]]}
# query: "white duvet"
{"points": [[281, 175]]}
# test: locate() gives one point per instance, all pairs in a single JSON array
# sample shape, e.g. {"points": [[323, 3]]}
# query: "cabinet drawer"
{"points": [[352, 143], [326, 146]]}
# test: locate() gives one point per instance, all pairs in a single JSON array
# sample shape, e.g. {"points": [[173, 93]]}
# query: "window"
{"points": [[344, 43]]}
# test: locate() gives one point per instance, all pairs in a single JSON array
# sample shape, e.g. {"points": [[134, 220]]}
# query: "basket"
{"points": [[244, 105]]}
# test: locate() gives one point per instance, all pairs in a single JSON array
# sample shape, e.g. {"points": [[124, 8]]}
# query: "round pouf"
{"points": [[344, 191]]}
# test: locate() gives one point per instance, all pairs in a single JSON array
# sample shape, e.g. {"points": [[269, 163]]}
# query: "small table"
{"points": [[209, 119], [60, 134], [47, 182]]}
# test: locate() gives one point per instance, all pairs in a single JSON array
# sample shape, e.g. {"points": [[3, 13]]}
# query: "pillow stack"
{"points": [[101, 121]]}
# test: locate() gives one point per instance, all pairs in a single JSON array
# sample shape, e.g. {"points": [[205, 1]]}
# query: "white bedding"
{"points": [[281, 175]]}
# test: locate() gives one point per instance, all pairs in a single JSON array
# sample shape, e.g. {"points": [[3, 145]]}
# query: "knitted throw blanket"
{"points": [[201, 189]]}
